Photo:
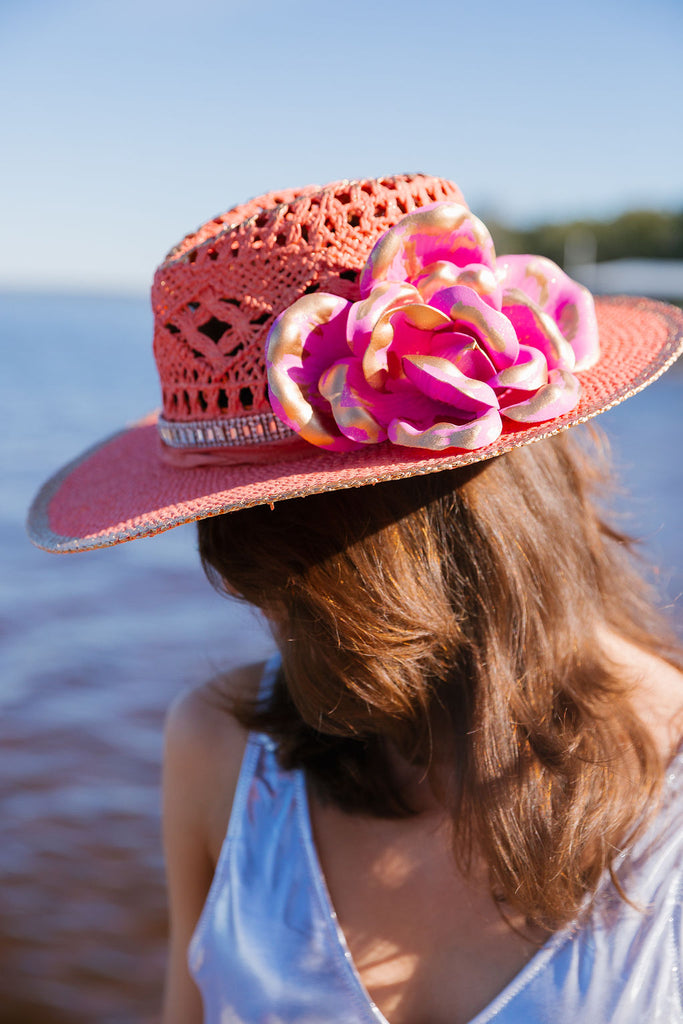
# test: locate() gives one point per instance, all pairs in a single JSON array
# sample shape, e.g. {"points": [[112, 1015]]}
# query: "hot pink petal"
{"points": [[538, 329], [441, 380], [476, 433], [398, 332], [435, 276], [442, 274], [529, 373], [471, 314], [569, 304], [465, 353], [440, 231], [364, 315], [345, 388], [304, 340], [560, 395], [405, 401]]}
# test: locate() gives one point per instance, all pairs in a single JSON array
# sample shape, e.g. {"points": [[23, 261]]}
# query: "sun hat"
{"points": [[323, 338]]}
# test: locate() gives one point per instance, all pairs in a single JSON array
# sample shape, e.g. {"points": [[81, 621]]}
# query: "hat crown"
{"points": [[217, 293]]}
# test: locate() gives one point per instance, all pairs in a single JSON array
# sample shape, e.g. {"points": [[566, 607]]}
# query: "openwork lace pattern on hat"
{"points": [[217, 293]]}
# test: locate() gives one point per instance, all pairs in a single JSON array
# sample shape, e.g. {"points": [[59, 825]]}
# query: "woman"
{"points": [[468, 749]]}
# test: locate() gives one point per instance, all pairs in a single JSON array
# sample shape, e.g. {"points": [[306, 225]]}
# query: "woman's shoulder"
{"points": [[204, 748], [202, 714], [657, 691]]}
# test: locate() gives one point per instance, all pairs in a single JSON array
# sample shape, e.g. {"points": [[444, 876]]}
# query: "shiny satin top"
{"points": [[268, 948]]}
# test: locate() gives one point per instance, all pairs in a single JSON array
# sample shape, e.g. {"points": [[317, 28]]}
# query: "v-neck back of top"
{"points": [[268, 948]]}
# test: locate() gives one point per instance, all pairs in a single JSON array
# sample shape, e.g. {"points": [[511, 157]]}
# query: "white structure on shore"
{"points": [[658, 279]]}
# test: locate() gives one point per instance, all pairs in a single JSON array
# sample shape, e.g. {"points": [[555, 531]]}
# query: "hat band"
{"points": [[256, 429], [260, 437]]}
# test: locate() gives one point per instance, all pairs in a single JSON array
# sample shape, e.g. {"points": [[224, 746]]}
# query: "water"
{"points": [[95, 646]]}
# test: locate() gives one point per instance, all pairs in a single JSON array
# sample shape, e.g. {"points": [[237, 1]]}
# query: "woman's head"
{"points": [[459, 617]]}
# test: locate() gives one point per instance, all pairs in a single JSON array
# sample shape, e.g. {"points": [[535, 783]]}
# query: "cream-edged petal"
{"points": [[567, 302], [416, 320], [304, 339], [342, 388], [364, 315], [477, 433], [559, 396], [477, 276], [439, 379], [492, 329], [537, 329], [440, 231], [529, 373]]}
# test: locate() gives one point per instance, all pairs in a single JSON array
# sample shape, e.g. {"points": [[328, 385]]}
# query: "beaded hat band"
{"points": [[243, 430]]}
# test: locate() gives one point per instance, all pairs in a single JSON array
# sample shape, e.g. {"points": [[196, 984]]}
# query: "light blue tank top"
{"points": [[268, 948]]}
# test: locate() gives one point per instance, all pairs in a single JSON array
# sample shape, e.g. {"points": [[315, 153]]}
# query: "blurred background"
{"points": [[124, 126]]}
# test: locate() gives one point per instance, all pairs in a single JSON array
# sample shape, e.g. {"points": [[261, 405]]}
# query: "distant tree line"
{"points": [[639, 234]]}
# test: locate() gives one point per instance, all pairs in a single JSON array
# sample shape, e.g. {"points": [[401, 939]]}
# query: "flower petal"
{"points": [[435, 276], [443, 274], [408, 329], [303, 340], [491, 329], [569, 304], [476, 433], [560, 395], [404, 401], [484, 282], [529, 373], [465, 353], [538, 329], [441, 380], [364, 315], [440, 231], [342, 386]]}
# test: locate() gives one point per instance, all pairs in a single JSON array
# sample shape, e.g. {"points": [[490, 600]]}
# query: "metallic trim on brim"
{"points": [[38, 526], [259, 428]]}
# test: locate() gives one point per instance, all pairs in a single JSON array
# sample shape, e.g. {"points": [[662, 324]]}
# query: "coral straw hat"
{"points": [[333, 337]]}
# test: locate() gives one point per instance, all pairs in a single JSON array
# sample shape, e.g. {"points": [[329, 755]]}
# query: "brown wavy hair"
{"points": [[458, 617]]}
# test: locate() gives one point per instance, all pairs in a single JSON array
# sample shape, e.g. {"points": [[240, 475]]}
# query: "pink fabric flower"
{"points": [[445, 343]]}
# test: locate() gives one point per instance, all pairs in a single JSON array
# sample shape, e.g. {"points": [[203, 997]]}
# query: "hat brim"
{"points": [[121, 489]]}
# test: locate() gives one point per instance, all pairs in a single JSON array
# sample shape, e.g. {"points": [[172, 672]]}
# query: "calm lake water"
{"points": [[95, 646]]}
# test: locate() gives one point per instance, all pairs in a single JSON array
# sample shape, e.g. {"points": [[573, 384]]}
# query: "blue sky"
{"points": [[126, 124]]}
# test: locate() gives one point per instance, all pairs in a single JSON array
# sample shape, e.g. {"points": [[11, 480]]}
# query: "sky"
{"points": [[127, 123]]}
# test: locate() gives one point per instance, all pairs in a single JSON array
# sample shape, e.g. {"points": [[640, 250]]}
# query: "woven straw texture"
{"points": [[122, 489], [218, 292]]}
